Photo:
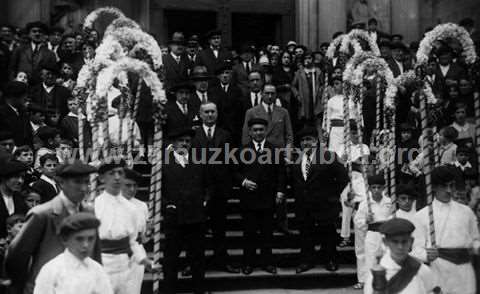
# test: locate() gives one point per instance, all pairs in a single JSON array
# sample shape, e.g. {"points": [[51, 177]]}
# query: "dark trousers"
{"points": [[258, 234], [217, 213], [311, 230], [191, 236]]}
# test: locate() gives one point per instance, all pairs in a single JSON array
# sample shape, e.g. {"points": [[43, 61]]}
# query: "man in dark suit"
{"points": [[396, 62], [13, 117], [279, 130], [28, 57], [242, 70], [201, 81], [209, 138], [249, 100], [318, 179], [38, 241], [12, 177], [181, 112], [262, 184], [185, 195], [176, 63], [215, 55], [48, 94], [447, 69]]}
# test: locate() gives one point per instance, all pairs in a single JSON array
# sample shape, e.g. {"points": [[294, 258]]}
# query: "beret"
{"points": [[180, 132], [6, 135], [132, 174], [15, 89], [407, 190], [376, 179], [308, 131], [442, 175], [291, 43], [397, 226], [12, 167], [78, 222], [114, 163], [75, 169], [257, 121], [183, 85]]}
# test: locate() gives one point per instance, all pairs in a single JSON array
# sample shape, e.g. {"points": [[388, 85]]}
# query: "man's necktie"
{"points": [[209, 133], [177, 59], [184, 109], [225, 89], [256, 99], [269, 112], [308, 164], [247, 67], [204, 98], [259, 147]]}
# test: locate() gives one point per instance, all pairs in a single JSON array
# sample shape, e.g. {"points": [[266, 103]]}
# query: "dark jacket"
{"points": [[23, 59], [228, 109], [207, 58], [265, 172], [20, 208], [320, 193], [18, 124], [186, 188], [45, 189], [56, 99], [175, 72], [175, 117]]}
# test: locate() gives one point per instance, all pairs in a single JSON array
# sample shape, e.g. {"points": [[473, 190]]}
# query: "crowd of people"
{"points": [[258, 99]]}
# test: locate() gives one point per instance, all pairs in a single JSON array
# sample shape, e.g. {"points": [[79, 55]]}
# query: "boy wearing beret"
{"points": [[73, 271], [404, 273], [456, 235], [406, 196], [372, 213]]}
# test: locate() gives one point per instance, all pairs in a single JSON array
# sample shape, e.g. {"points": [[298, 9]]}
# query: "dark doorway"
{"points": [[262, 29], [190, 22]]}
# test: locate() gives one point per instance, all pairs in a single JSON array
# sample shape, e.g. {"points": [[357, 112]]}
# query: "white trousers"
{"points": [[335, 139], [346, 230], [118, 269], [135, 278], [362, 271], [373, 249]]}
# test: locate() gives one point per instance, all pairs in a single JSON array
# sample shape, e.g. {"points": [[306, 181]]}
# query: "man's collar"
{"points": [[48, 88]]}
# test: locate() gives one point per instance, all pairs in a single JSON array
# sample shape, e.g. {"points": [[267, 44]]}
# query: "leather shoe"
{"points": [[270, 269], [303, 268], [247, 270], [231, 269], [187, 272], [331, 266]]}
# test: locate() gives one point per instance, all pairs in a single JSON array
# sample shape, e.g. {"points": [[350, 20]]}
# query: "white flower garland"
{"points": [[94, 15], [358, 58], [353, 36], [134, 39], [443, 31], [107, 76], [402, 80], [121, 22], [332, 48]]}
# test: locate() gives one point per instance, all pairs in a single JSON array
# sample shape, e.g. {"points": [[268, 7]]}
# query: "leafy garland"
{"points": [[94, 15], [443, 31], [407, 78], [352, 39], [121, 22]]}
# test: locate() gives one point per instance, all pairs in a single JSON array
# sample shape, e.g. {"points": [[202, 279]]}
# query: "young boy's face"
{"points": [[65, 151], [129, 188], [37, 118], [72, 105], [405, 202], [406, 135], [32, 199], [377, 191], [49, 167], [462, 157], [26, 157], [15, 229], [399, 246], [81, 243], [460, 115]]}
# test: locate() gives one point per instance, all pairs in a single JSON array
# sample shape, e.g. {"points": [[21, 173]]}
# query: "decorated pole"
{"points": [[81, 135], [95, 156], [427, 168], [376, 134], [324, 104], [346, 135], [477, 127], [436, 147], [134, 112], [393, 160]]}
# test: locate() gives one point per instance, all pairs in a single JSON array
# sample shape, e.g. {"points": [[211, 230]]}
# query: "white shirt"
{"points": [[408, 215], [381, 211], [177, 58], [400, 65], [266, 107], [262, 145], [141, 211], [200, 96], [444, 69], [212, 130], [422, 282], [255, 98], [66, 274], [356, 151], [335, 110], [118, 219], [225, 87], [455, 227], [35, 127], [9, 204], [114, 131], [181, 159], [462, 167], [183, 107], [304, 163], [51, 182], [48, 89], [13, 108], [215, 52]]}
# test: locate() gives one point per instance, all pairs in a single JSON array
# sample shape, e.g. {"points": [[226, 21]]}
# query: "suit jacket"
{"points": [[268, 175], [218, 171], [454, 73], [18, 124], [240, 76], [57, 99], [186, 188], [46, 190], [320, 193], [175, 72], [279, 130], [20, 208], [244, 104], [302, 89], [207, 58], [23, 59], [175, 117], [37, 243], [228, 114], [196, 101], [395, 68]]}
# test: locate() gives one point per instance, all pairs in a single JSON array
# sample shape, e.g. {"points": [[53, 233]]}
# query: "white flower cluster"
{"points": [[94, 15], [444, 31], [332, 48], [403, 80], [349, 72], [121, 22], [351, 39]]}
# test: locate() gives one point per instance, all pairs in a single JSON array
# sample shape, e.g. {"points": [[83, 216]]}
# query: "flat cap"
{"points": [[78, 222], [308, 131], [442, 175], [291, 43], [376, 179], [112, 164], [397, 226], [200, 76], [181, 132], [257, 121], [12, 167], [225, 66], [132, 174], [75, 169], [407, 190]]}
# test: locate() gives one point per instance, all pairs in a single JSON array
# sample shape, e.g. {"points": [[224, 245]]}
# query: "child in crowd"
{"points": [[67, 76], [32, 197], [69, 124], [406, 196], [466, 130], [448, 149], [37, 117], [22, 77], [471, 184], [407, 150], [24, 154], [49, 141], [46, 185], [65, 151]]}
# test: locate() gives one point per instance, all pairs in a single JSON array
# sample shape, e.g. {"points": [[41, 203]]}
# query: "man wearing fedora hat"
{"points": [[202, 95], [246, 66], [175, 62], [28, 57], [396, 62], [181, 111], [215, 54], [38, 242]]}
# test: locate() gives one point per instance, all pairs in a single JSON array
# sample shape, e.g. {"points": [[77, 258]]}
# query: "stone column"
{"points": [[406, 19]]}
